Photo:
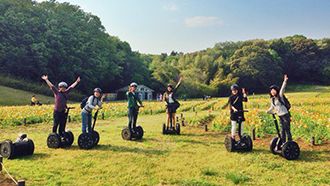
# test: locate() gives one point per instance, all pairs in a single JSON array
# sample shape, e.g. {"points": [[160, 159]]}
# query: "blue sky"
{"points": [[156, 26]]}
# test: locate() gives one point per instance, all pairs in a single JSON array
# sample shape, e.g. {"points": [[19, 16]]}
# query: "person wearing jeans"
{"points": [[278, 107], [93, 102]]}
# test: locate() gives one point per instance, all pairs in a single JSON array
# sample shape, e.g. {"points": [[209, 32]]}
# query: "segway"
{"points": [[21, 147], [244, 144], [89, 140], [289, 150], [171, 129], [54, 140], [130, 134]]}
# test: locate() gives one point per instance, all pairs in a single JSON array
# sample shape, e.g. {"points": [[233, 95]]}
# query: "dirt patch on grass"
{"points": [[4, 181]]}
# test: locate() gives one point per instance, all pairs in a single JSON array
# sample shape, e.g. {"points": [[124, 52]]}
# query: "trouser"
{"points": [[59, 122], [233, 127], [132, 118], [86, 123], [285, 123]]}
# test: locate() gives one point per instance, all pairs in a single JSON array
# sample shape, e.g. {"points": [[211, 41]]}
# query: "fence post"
{"points": [[254, 134], [1, 163], [181, 115], [313, 141], [20, 183], [151, 111], [102, 115], [206, 129], [24, 121]]}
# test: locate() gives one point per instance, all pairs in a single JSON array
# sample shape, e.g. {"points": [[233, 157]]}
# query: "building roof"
{"points": [[139, 87]]}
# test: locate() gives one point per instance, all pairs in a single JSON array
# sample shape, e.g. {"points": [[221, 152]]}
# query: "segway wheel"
{"points": [[54, 141], [248, 142], [275, 142], [31, 147], [126, 134], [85, 141], [229, 144], [291, 150], [164, 128], [139, 132], [7, 149], [96, 137], [70, 139], [177, 129]]}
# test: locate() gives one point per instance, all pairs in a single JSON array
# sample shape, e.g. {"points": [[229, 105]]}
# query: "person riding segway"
{"points": [[90, 137], [60, 137], [134, 103], [281, 106], [235, 102]]}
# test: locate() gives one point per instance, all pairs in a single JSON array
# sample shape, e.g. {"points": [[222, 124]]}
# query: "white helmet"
{"points": [[62, 84], [133, 84]]}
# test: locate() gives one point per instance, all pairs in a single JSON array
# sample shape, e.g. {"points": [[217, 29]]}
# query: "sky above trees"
{"points": [[156, 26]]}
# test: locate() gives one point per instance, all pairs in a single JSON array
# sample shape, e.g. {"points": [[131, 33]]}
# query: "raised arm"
{"points": [[75, 83], [283, 85], [245, 99], [178, 84], [45, 77]]}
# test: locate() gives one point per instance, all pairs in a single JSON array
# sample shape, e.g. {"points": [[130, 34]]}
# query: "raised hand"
{"points": [[286, 77], [243, 91], [44, 77], [78, 79]]}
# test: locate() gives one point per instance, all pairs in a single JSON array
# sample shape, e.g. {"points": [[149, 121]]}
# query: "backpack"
{"points": [[84, 102], [284, 102]]}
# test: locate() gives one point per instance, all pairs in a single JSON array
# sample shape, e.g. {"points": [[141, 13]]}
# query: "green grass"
{"points": [[10, 96], [193, 158]]}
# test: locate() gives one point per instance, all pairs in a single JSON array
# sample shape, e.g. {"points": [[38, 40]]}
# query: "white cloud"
{"points": [[202, 21], [171, 7]]}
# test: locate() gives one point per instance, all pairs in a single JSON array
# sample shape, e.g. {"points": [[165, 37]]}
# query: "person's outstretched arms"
{"points": [[45, 77], [75, 83], [271, 109], [283, 85]]}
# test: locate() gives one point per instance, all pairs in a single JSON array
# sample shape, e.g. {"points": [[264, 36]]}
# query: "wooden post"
{"points": [[254, 134], [102, 115], [24, 121], [20, 183], [181, 115], [313, 141], [1, 163], [151, 111], [206, 129]]}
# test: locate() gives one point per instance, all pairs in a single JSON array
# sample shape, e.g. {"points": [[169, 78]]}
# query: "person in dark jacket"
{"points": [[134, 103], [235, 102], [172, 103]]}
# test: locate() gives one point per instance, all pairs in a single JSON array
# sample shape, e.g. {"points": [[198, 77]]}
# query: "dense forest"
{"points": [[63, 41]]}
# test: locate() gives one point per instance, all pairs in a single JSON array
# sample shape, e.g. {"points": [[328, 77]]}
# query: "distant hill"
{"points": [[10, 96]]}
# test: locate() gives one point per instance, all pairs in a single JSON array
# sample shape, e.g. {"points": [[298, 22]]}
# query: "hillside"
{"points": [[10, 96]]}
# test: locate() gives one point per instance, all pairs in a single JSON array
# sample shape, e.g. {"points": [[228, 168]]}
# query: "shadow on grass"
{"points": [[314, 156], [35, 156], [214, 135], [130, 149]]}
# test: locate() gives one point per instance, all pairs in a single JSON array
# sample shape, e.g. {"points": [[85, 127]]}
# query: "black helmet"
{"points": [[274, 87], [234, 87], [98, 90]]}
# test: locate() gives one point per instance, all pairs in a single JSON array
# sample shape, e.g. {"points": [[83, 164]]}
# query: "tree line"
{"points": [[63, 41]]}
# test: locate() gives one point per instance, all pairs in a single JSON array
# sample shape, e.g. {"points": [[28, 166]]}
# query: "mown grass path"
{"points": [[194, 158]]}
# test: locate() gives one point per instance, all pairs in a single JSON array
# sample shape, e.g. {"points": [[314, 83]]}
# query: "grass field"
{"points": [[194, 158], [10, 96]]}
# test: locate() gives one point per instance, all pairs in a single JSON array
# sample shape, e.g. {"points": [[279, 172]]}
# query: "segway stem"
{"points": [[276, 125], [95, 118]]}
